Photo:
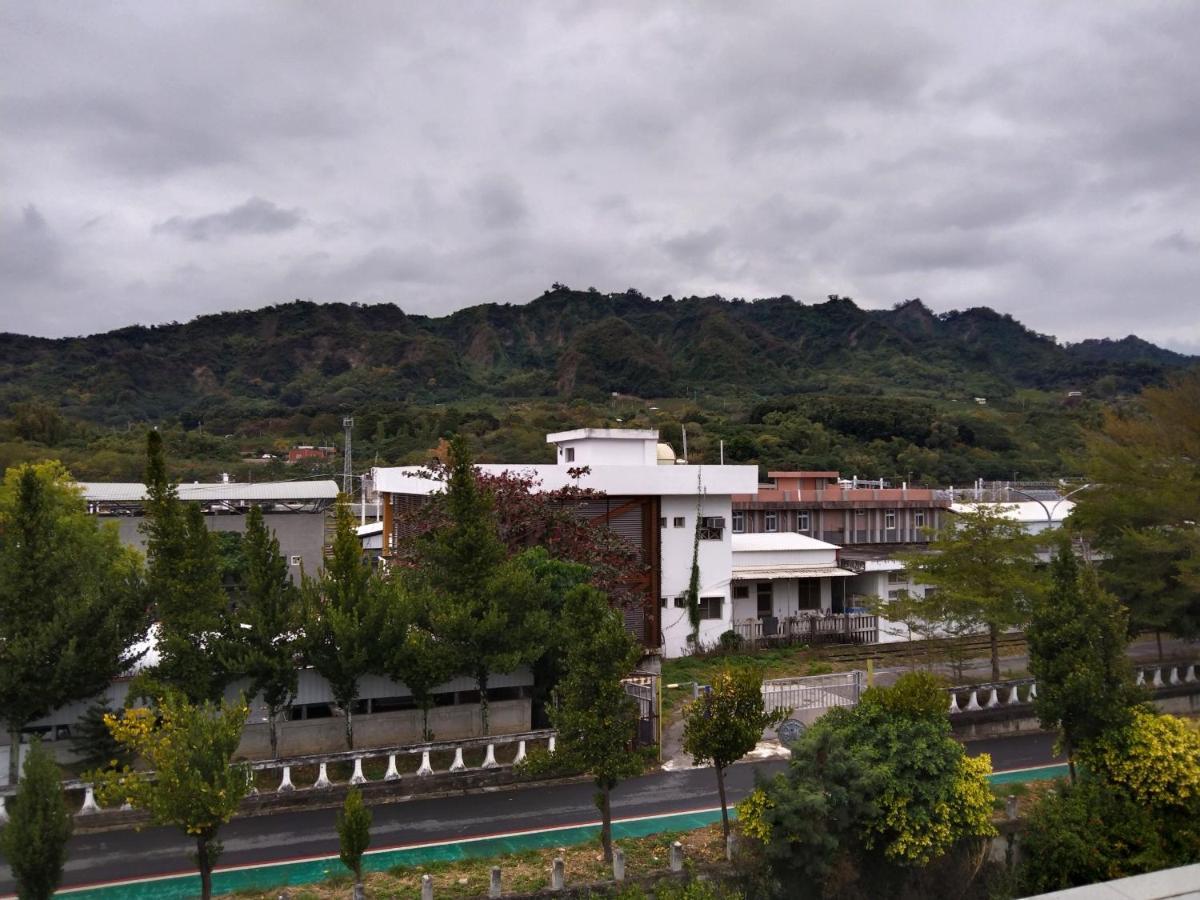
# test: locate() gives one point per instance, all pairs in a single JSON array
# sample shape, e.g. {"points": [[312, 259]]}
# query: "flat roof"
{"points": [[1023, 511], [802, 474], [784, 571], [634, 481], [608, 434], [782, 540], [135, 492]]}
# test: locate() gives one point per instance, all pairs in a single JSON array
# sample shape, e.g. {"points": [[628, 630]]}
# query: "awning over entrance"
{"points": [[776, 573]]}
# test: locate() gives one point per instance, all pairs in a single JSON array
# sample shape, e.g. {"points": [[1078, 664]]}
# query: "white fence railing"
{"points": [[812, 692], [853, 628]]}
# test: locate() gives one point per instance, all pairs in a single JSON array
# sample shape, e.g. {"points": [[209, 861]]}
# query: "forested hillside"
{"points": [[877, 392]]}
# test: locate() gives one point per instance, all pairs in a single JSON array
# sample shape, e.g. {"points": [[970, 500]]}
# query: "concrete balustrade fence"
{"points": [[976, 698], [500, 752]]}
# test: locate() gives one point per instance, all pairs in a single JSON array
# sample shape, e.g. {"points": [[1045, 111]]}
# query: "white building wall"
{"points": [[716, 560]]}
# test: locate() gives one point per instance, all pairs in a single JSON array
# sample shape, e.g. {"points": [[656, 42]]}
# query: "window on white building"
{"points": [[712, 528], [919, 518], [662, 522], [739, 522], [679, 522], [295, 560], [803, 520], [771, 521], [899, 576], [710, 607], [681, 602], [809, 593], [889, 519], [741, 592], [569, 453], [893, 595]]}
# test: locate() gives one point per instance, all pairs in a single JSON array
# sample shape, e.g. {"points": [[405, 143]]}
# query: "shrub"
{"points": [[731, 641], [1155, 759]]}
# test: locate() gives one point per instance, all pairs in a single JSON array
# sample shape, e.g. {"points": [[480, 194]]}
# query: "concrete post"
{"points": [[426, 887], [1032, 692], [1191, 674], [954, 703], [392, 774], [494, 888], [520, 757], [993, 699], [550, 745], [286, 784], [89, 801], [676, 856], [358, 777], [426, 768], [558, 874], [3, 810], [1174, 679], [618, 864], [323, 778], [1014, 695], [489, 759], [1141, 679], [1157, 682], [973, 703], [458, 765], [1010, 807]]}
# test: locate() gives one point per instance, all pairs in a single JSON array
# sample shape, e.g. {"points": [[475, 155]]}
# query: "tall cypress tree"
{"points": [[1077, 636], [490, 610], [345, 615], [72, 603], [34, 842], [184, 580], [265, 641]]}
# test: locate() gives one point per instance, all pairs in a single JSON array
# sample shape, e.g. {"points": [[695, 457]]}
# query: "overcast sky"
{"points": [[160, 160]]}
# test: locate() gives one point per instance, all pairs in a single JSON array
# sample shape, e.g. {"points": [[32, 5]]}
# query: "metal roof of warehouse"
{"points": [[135, 492]]}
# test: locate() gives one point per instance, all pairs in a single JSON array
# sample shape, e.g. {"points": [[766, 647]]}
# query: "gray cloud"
{"points": [[1036, 158], [255, 216]]}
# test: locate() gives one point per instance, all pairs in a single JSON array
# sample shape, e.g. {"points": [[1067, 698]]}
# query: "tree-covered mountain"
{"points": [[273, 362]]}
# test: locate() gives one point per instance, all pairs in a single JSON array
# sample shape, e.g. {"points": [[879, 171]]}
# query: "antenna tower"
{"points": [[347, 462]]}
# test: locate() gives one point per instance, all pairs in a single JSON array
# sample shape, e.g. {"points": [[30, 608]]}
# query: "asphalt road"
{"points": [[97, 858]]}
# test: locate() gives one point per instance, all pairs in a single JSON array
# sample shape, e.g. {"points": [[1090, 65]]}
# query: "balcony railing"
{"points": [[847, 628]]}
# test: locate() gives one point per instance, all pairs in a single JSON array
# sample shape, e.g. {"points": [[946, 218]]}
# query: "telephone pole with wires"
{"points": [[347, 459]]}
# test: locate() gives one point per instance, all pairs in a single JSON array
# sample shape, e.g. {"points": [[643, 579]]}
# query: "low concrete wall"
{"points": [[1178, 700], [389, 729]]}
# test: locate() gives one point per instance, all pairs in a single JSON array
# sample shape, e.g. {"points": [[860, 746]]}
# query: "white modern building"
{"points": [[648, 497]]}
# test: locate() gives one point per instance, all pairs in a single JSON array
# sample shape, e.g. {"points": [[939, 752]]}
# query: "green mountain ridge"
{"points": [[272, 361]]}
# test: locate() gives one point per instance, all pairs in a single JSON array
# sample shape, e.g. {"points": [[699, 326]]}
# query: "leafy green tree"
{"points": [[1077, 635], [354, 836], [71, 599], [596, 720], [345, 612], [184, 578], [192, 783], [1142, 513], [491, 610], [264, 644], [1086, 833], [982, 565], [92, 742], [808, 818], [725, 723], [34, 842], [883, 786]]}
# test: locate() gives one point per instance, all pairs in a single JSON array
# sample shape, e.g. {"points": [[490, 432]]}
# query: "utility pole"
{"points": [[347, 463]]}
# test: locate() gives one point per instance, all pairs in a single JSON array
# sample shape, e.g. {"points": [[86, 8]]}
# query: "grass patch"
{"points": [[522, 872]]}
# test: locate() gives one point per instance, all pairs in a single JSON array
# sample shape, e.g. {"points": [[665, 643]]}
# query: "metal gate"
{"points": [[643, 688], [813, 694]]}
